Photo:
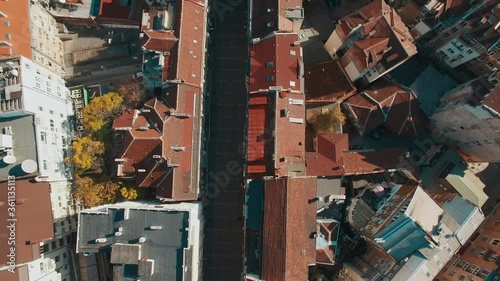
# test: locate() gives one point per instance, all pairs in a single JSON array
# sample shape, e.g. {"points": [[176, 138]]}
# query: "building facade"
{"points": [[468, 116], [479, 260], [25, 82]]}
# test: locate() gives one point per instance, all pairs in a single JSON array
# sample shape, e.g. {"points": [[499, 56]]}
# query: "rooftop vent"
{"points": [[178, 148], [142, 239], [141, 170], [155, 227], [101, 240], [156, 156], [143, 128]]}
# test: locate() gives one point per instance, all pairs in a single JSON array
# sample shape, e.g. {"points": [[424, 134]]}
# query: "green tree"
{"points": [[93, 193], [326, 122], [85, 153], [101, 111]]}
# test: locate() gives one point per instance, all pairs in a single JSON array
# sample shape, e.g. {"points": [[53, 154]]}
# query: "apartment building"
{"points": [[30, 31], [146, 241], [478, 260], [468, 116], [370, 42], [38, 132], [417, 235], [43, 252]]}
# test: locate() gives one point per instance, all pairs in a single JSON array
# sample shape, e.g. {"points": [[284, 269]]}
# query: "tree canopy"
{"points": [[326, 122], [133, 93], [85, 153], [101, 111], [93, 193]]}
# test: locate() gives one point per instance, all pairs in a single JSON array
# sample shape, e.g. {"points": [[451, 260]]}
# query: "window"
{"points": [[51, 111], [461, 277], [8, 36], [269, 64], [451, 273], [43, 137], [61, 242], [270, 78], [68, 239], [45, 248], [53, 245], [469, 52], [64, 254], [292, 52], [451, 50], [7, 23], [57, 259], [446, 35], [495, 241], [51, 125], [483, 273], [63, 141], [454, 29], [45, 167]]}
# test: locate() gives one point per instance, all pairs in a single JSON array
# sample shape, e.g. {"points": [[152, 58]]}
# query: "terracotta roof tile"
{"points": [[385, 102], [125, 120], [325, 247], [289, 221], [34, 219], [327, 82], [275, 61], [159, 41], [19, 29], [165, 157], [328, 158], [372, 162]]}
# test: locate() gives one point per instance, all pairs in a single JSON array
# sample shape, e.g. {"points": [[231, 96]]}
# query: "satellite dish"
{"points": [[14, 72], [29, 166], [9, 159]]}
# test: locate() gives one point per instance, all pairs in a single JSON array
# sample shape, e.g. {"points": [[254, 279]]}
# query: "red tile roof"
{"points": [[327, 160], [373, 162], [484, 23], [289, 220], [327, 82], [276, 118], [385, 102], [278, 58], [125, 120], [33, 211], [328, 234], [165, 157], [191, 47], [271, 16], [385, 38], [19, 29], [159, 41]]}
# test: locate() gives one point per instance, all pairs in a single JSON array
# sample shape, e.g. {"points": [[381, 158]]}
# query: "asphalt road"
{"points": [[225, 130]]}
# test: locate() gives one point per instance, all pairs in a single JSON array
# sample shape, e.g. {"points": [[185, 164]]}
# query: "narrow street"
{"points": [[224, 156]]}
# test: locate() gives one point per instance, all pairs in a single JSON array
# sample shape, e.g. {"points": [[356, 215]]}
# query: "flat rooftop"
{"points": [[20, 127], [165, 233]]}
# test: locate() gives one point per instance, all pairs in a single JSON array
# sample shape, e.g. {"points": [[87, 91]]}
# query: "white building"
{"points": [[29, 89]]}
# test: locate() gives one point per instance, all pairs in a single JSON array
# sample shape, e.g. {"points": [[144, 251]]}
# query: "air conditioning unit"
{"points": [[76, 91], [156, 156]]}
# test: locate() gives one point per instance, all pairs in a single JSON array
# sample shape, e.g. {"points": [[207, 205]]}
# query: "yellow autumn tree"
{"points": [[129, 193], [326, 122], [101, 111], [85, 153], [93, 193]]}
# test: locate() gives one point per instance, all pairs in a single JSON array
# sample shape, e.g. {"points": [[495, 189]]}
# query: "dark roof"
{"points": [[327, 160], [165, 246], [327, 82], [33, 211], [389, 104], [288, 247], [484, 23], [493, 100]]}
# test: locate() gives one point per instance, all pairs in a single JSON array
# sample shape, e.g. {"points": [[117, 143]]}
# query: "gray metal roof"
{"points": [[165, 246], [22, 126]]}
